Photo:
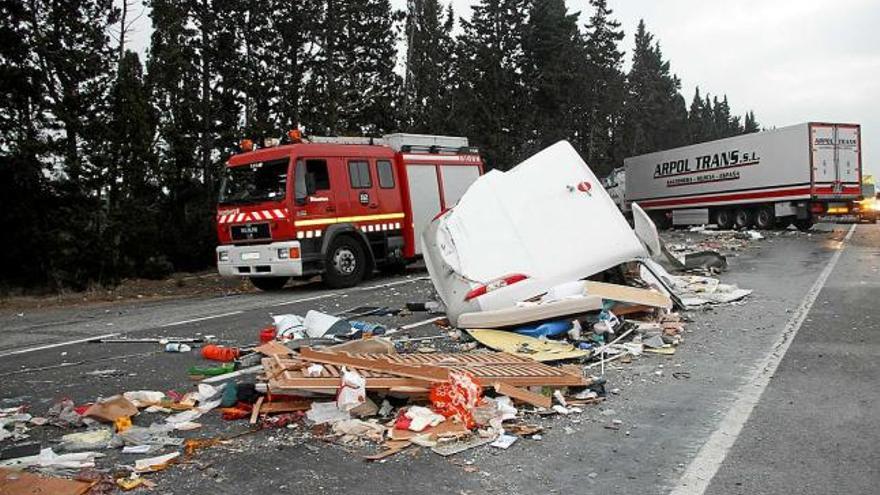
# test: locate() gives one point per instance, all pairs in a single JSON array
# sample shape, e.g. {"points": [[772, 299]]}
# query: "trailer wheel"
{"points": [[765, 218], [743, 218], [724, 219], [345, 264], [269, 284]]}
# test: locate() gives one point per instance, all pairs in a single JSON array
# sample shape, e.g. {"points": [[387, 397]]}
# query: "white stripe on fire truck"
{"points": [[474, 159], [253, 215]]}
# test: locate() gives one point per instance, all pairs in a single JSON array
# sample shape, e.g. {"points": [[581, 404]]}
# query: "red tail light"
{"points": [[494, 285], [817, 208]]}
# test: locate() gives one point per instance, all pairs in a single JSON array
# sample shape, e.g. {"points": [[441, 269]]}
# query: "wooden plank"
{"points": [[523, 395], [627, 294], [393, 447], [255, 413], [285, 406], [427, 373], [273, 348], [630, 309], [446, 428]]}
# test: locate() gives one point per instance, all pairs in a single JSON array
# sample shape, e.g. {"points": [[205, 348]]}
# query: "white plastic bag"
{"points": [[352, 391]]}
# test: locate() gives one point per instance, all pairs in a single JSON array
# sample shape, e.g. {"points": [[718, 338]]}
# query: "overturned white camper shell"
{"points": [[514, 235]]}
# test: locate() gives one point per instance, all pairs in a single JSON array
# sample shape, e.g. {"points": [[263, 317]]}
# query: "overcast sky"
{"points": [[790, 61]]}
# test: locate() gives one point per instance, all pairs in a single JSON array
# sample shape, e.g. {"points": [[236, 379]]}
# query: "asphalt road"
{"points": [[812, 430]]}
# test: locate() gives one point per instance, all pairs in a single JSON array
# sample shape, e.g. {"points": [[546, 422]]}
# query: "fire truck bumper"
{"points": [[278, 259]]}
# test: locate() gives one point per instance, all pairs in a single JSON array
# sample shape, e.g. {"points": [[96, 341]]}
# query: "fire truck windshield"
{"points": [[255, 182]]}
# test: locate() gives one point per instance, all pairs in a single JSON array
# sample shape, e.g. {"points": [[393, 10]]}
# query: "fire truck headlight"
{"points": [[223, 255], [283, 254]]}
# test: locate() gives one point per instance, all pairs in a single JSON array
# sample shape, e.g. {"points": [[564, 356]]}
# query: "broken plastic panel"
{"points": [[548, 218]]}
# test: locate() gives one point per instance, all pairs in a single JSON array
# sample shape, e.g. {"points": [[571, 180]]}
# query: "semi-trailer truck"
{"points": [[767, 179]]}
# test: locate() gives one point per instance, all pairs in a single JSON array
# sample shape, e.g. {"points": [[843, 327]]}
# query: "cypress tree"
{"points": [[427, 105], [130, 155], [707, 115], [353, 88], [751, 125], [605, 92], [656, 117], [490, 90], [696, 129], [553, 55]]}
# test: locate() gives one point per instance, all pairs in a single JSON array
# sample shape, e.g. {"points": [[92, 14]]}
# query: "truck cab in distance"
{"points": [[338, 207]]}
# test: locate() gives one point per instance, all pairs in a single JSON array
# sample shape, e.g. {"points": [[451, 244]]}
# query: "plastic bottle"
{"points": [[219, 353], [268, 334]]}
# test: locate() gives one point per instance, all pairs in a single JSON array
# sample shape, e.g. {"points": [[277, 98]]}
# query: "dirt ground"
{"points": [[179, 285]]}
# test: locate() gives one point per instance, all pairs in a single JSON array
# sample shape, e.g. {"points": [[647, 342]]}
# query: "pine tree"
{"points": [[428, 69], [554, 57], [490, 90], [24, 144], [73, 53], [605, 91], [70, 47]]}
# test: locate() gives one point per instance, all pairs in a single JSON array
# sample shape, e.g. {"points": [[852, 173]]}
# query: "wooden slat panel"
{"points": [[488, 368]]}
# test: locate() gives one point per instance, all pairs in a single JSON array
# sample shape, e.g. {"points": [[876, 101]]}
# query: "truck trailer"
{"points": [[338, 207], [775, 178]]}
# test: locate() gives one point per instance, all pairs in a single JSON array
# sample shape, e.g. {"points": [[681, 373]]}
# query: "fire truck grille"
{"points": [[250, 232]]}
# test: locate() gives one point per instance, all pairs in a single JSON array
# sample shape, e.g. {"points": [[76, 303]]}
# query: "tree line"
{"points": [[110, 165]]}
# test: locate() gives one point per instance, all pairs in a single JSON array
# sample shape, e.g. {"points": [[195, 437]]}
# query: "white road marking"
{"points": [[306, 299], [203, 318], [221, 315], [420, 323], [59, 344], [392, 284], [702, 469]]}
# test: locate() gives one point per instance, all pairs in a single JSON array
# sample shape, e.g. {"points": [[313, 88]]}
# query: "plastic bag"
{"points": [[457, 397], [352, 391]]}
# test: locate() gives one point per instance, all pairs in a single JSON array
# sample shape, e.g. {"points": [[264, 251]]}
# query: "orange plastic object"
{"points": [[122, 424], [219, 353]]}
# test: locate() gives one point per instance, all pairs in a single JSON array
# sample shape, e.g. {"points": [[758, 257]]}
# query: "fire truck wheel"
{"points": [[765, 218], [269, 283], [345, 264], [744, 218], [724, 219]]}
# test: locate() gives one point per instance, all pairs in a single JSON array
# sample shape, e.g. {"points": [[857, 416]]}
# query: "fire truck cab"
{"points": [[338, 207]]}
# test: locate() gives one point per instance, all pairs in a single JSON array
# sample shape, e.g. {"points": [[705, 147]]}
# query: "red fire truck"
{"points": [[339, 207]]}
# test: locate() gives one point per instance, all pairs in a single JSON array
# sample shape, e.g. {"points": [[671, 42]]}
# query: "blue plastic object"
{"points": [[362, 327], [547, 329]]}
